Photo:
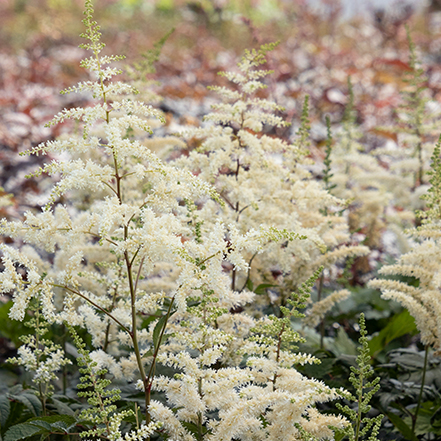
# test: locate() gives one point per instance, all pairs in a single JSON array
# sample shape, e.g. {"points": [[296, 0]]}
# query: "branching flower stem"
{"points": [[78, 293]]}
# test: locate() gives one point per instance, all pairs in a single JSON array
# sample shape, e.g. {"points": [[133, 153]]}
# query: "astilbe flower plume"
{"points": [[422, 262], [140, 266], [263, 181], [111, 253], [40, 355]]}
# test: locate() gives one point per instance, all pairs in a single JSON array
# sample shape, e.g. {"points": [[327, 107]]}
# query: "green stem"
{"points": [[279, 347], [134, 332], [423, 380], [114, 297], [148, 381], [63, 328], [248, 273], [360, 403], [200, 432], [78, 293], [38, 353], [322, 322]]}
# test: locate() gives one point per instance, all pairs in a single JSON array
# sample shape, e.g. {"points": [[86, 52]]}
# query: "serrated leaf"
{"points": [[35, 401], [54, 423], [44, 425], [5, 408], [402, 427], [149, 353], [30, 401], [62, 408], [21, 431], [61, 425], [16, 389], [407, 358]]}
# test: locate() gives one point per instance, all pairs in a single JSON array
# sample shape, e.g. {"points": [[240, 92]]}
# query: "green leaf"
{"points": [[20, 431], [5, 408], [338, 436], [30, 401], [403, 428], [399, 325], [320, 370], [149, 353], [12, 329], [250, 285], [43, 425], [261, 289], [158, 328], [54, 423], [62, 408], [193, 428], [343, 345], [7, 377], [146, 321]]}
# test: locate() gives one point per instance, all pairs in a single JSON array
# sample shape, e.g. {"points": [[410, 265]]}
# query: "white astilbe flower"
{"points": [[157, 265], [268, 387], [423, 262], [95, 325], [21, 276], [39, 355], [106, 361], [44, 363], [53, 363], [170, 422], [270, 200], [321, 308], [318, 424], [140, 434]]}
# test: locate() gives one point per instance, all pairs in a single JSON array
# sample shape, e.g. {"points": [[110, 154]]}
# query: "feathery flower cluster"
{"points": [[141, 265], [422, 262], [40, 355], [263, 181]]}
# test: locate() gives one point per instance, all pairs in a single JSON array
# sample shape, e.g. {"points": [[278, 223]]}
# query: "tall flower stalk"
{"points": [[109, 259], [144, 265]]}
